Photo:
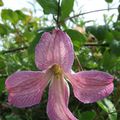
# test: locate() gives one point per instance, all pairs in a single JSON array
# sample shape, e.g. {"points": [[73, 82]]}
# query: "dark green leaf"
{"points": [[66, 8], [4, 29], [2, 84], [115, 47], [107, 61], [109, 1], [77, 38], [88, 115], [1, 3], [49, 6], [108, 107]]}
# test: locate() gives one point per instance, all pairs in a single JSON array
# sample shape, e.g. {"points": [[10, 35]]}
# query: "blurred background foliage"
{"points": [[96, 47]]}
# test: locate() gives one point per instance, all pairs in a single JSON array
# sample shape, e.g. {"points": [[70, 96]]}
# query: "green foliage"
{"points": [[77, 38], [1, 3], [8, 14], [97, 48], [115, 47], [108, 107], [109, 1], [88, 115], [66, 8], [49, 6]]}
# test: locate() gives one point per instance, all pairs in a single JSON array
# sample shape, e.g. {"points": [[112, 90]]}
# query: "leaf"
{"points": [[49, 6], [88, 115], [107, 61], [2, 85], [1, 3], [115, 47], [8, 14], [12, 117], [66, 8], [109, 1], [4, 29], [108, 107], [77, 38]]}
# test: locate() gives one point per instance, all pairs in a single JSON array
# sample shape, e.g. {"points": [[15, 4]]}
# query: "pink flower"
{"points": [[54, 56]]}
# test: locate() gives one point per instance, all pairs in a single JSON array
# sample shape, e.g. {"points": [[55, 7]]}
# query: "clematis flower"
{"points": [[54, 56]]}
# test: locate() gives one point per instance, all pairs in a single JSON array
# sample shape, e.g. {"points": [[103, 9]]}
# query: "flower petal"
{"points": [[90, 86], [57, 107], [55, 48], [26, 88]]}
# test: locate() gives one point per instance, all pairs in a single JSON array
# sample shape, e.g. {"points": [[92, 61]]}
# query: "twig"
{"points": [[14, 50], [23, 48], [58, 15], [97, 44], [79, 64], [88, 13]]}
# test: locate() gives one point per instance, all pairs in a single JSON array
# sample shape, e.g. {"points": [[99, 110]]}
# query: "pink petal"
{"points": [[25, 88], [55, 48], [91, 86], [57, 107]]}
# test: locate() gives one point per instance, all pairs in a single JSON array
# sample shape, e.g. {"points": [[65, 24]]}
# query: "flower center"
{"points": [[56, 70]]}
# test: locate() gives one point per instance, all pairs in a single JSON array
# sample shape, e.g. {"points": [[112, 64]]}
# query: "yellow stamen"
{"points": [[57, 70]]}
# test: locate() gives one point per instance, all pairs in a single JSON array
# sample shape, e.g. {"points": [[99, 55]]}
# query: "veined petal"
{"points": [[91, 86], [26, 88], [57, 107], [55, 48]]}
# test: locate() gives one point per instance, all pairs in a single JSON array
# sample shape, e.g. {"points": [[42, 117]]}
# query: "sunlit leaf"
{"points": [[1, 3], [108, 107], [10, 15], [49, 6], [66, 8]]}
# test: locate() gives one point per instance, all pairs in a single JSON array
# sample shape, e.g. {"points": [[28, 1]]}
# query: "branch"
{"points": [[97, 44], [24, 48], [14, 50], [89, 12], [58, 15]]}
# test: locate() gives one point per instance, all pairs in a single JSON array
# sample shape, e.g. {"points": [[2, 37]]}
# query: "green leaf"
{"points": [[1, 3], [2, 85], [12, 117], [107, 61], [77, 38], [49, 6], [4, 29], [109, 1], [115, 47], [108, 107], [88, 115], [8, 14], [66, 8]]}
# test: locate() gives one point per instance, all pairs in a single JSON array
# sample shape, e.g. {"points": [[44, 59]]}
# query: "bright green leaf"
{"points": [[1, 3], [66, 8], [8, 14], [49, 6], [108, 107]]}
